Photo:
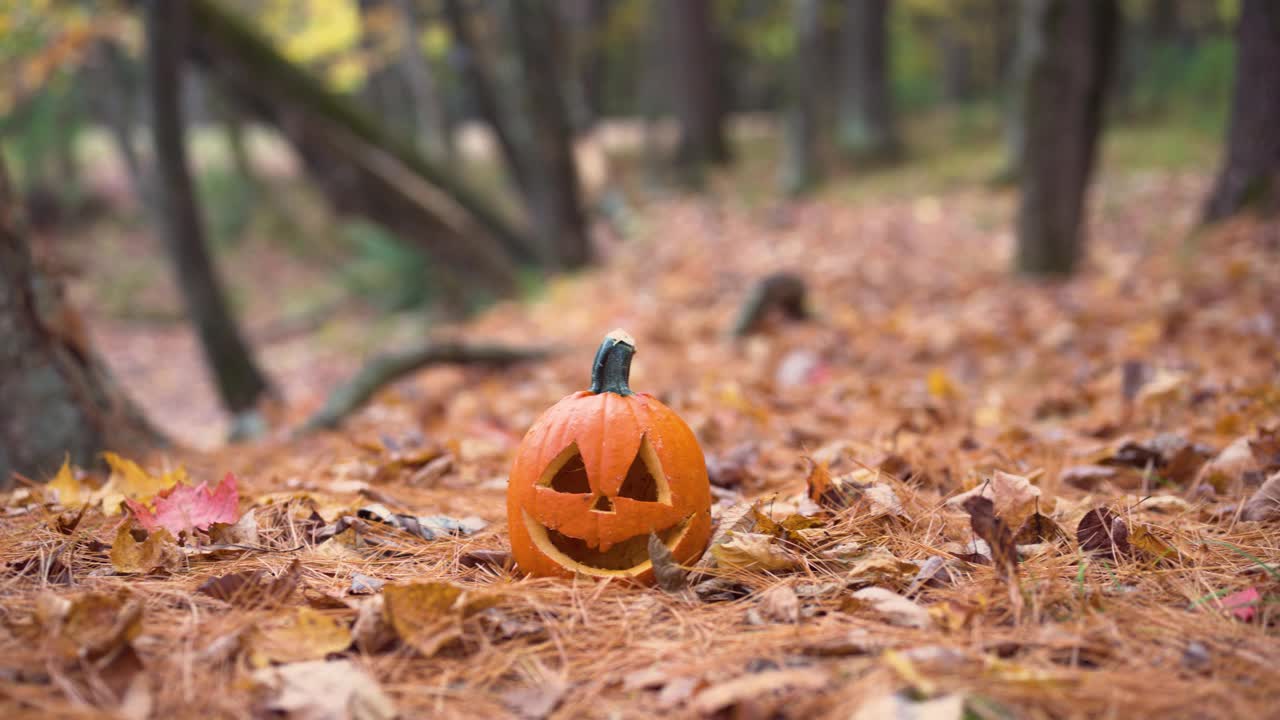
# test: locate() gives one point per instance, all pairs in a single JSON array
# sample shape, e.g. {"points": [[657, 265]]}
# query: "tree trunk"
{"points": [[480, 83], [238, 379], [1250, 175], [1066, 87], [697, 81], [114, 99], [867, 130], [586, 20], [555, 199], [800, 170], [1028, 47], [361, 167], [58, 400], [428, 105]]}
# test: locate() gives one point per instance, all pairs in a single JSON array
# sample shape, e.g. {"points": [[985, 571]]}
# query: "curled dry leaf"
{"points": [[1102, 531], [371, 631], [430, 527], [323, 690], [880, 566], [753, 551], [1004, 552], [428, 616], [254, 588], [130, 557], [780, 604], [1228, 470], [1264, 504], [722, 696], [304, 634], [670, 577], [895, 608], [243, 532]]}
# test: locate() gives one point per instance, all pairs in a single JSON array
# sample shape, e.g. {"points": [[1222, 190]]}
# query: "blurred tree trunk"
{"points": [[800, 169], [58, 399], [555, 198], [240, 383], [697, 83], [957, 63], [1250, 174], [1028, 47], [480, 83], [429, 109], [362, 168], [1066, 87], [586, 21], [867, 129], [114, 97]]}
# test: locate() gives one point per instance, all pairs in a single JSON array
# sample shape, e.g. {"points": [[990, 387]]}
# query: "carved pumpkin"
{"points": [[599, 472]]}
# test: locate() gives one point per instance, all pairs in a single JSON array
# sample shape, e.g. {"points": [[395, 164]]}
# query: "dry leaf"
{"points": [[1264, 504], [128, 481], [899, 707], [320, 690], [1101, 531], [780, 604], [243, 532], [753, 551], [254, 588], [670, 576], [1226, 471], [305, 634], [1145, 539], [372, 632], [895, 608], [880, 565], [753, 685], [537, 701], [130, 557], [186, 508], [428, 616], [64, 488]]}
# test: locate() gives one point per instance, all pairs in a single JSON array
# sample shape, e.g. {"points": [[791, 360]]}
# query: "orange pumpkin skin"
{"points": [[609, 432]]}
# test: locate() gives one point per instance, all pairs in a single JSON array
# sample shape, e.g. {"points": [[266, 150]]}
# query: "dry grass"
{"points": [[924, 349]]}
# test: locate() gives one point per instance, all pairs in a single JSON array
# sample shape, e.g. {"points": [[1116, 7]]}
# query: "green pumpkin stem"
{"points": [[612, 368]]}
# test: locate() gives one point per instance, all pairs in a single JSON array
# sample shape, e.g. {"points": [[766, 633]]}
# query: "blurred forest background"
{"points": [[358, 174]]}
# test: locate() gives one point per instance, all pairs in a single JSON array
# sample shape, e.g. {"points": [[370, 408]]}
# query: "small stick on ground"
{"points": [[783, 291], [385, 369]]}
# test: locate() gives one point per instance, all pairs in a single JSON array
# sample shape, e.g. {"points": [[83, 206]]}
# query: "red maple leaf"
{"points": [[188, 507]]}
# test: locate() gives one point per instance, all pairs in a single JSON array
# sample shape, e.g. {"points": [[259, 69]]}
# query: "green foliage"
{"points": [[383, 269], [913, 62], [1194, 83]]}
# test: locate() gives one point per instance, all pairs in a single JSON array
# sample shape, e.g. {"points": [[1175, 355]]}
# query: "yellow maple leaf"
{"points": [[65, 487], [129, 481]]}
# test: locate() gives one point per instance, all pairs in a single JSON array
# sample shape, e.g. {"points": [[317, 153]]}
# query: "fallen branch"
{"points": [[782, 291], [385, 369]]}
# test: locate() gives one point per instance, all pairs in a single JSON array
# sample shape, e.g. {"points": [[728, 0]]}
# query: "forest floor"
{"points": [[1120, 421]]}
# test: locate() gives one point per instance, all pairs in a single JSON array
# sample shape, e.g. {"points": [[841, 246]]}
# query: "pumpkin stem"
{"points": [[612, 368]]}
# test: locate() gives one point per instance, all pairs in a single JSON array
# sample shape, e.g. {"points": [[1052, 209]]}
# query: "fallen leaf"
{"points": [[536, 701], [430, 527], [186, 508], [723, 695], [896, 609], [940, 385], [254, 588], [822, 489], [669, 575], [304, 634], [1038, 528], [879, 565], [1145, 539], [1226, 471], [780, 604], [371, 632], [1087, 477], [428, 616], [362, 584], [1004, 552], [129, 481], [1101, 531], [1015, 497], [1264, 504], [899, 707], [130, 557], [324, 690], [753, 551], [1242, 605], [65, 489], [243, 532]]}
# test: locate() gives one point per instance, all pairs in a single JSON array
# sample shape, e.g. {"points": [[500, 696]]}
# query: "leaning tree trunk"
{"points": [[1250, 174], [239, 382], [361, 167], [1065, 90], [697, 81], [867, 130], [57, 400], [554, 198], [800, 169]]}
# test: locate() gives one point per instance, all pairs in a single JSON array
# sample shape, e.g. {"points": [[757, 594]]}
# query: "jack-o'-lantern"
{"points": [[601, 471]]}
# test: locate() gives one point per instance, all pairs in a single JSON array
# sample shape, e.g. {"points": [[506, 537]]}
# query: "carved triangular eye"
{"points": [[572, 475], [640, 483]]}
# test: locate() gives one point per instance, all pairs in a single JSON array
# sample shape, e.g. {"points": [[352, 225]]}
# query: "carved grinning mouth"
{"points": [[627, 558]]}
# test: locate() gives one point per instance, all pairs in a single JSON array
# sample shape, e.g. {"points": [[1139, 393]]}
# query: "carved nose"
{"points": [[602, 504]]}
